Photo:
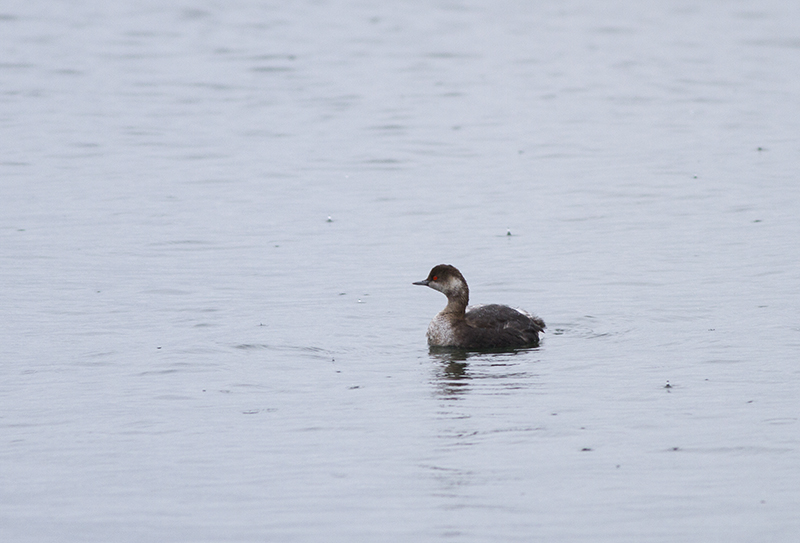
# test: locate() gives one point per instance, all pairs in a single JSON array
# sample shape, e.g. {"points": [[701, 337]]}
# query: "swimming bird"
{"points": [[478, 326]]}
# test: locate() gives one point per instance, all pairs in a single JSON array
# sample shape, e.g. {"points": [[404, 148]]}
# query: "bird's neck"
{"points": [[457, 303]]}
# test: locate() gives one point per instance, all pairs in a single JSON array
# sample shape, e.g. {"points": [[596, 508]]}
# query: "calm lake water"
{"points": [[212, 213]]}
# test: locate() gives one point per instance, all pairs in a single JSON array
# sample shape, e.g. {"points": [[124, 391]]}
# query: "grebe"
{"points": [[479, 326]]}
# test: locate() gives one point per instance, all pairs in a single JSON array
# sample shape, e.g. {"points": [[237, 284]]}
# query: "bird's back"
{"points": [[496, 325]]}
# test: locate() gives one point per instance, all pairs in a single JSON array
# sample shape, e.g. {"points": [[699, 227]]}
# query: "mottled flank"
{"points": [[480, 326]]}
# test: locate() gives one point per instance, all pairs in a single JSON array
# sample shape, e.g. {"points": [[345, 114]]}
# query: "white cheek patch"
{"points": [[435, 285], [445, 286]]}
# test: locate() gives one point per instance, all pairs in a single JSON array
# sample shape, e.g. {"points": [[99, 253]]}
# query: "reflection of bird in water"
{"points": [[452, 372], [456, 370], [453, 379]]}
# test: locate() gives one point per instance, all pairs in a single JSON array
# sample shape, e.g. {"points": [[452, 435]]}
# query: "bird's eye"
{"points": [[435, 277]]}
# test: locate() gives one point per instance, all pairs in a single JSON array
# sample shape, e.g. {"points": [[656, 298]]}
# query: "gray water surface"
{"points": [[212, 213]]}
